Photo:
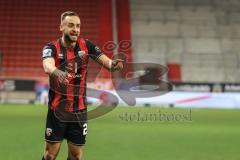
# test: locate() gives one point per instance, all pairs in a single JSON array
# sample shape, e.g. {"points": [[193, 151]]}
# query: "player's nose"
{"points": [[75, 29]]}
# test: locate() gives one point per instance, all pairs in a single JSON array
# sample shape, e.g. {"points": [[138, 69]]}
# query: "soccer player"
{"points": [[64, 60]]}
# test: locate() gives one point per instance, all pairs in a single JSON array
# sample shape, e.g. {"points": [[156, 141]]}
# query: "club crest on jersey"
{"points": [[81, 53], [48, 132]]}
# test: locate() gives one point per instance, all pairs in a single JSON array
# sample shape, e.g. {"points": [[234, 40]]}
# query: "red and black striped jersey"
{"points": [[74, 61]]}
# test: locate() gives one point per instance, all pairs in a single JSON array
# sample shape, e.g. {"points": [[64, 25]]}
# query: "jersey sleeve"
{"points": [[93, 50], [49, 50]]}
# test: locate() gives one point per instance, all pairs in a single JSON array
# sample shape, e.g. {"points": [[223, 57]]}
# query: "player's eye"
{"points": [[70, 25]]}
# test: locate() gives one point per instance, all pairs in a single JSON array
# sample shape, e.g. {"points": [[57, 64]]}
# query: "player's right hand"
{"points": [[61, 77]]}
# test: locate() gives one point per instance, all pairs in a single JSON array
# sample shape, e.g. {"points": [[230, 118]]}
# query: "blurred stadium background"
{"points": [[199, 42]]}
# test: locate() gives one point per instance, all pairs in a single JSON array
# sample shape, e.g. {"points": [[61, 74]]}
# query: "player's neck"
{"points": [[68, 44]]}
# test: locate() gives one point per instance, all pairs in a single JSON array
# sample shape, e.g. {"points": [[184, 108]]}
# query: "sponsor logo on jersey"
{"points": [[60, 56]]}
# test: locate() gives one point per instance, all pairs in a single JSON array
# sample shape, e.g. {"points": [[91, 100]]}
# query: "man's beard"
{"points": [[68, 38]]}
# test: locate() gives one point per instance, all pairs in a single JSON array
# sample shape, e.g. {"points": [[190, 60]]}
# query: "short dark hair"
{"points": [[68, 13]]}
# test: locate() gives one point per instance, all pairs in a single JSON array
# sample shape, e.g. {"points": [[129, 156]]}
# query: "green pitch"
{"points": [[200, 135]]}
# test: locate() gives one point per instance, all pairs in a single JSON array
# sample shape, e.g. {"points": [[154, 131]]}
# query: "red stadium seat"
{"points": [[28, 25]]}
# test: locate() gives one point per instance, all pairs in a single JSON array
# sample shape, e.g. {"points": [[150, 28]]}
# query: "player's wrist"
{"points": [[54, 71], [113, 65], [51, 70], [110, 64]]}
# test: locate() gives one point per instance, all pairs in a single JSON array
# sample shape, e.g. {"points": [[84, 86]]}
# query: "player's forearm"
{"points": [[48, 68], [108, 64], [49, 65], [111, 65], [105, 61]]}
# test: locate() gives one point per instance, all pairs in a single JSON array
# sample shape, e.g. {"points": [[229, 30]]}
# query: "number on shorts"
{"points": [[85, 129]]}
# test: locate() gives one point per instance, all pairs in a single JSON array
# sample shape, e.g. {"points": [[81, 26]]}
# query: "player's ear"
{"points": [[61, 27]]}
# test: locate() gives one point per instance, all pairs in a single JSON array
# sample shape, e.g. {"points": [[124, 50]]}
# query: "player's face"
{"points": [[70, 28]]}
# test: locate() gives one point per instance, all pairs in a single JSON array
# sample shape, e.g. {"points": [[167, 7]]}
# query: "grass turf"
{"points": [[210, 135]]}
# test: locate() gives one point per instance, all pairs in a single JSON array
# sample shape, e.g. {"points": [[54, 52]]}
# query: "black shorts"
{"points": [[58, 128]]}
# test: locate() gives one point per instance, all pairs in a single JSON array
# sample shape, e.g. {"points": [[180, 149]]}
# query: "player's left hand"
{"points": [[117, 64]]}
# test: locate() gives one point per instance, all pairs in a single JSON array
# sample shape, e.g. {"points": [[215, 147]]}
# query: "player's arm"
{"points": [[111, 65], [49, 65], [97, 54], [50, 68]]}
